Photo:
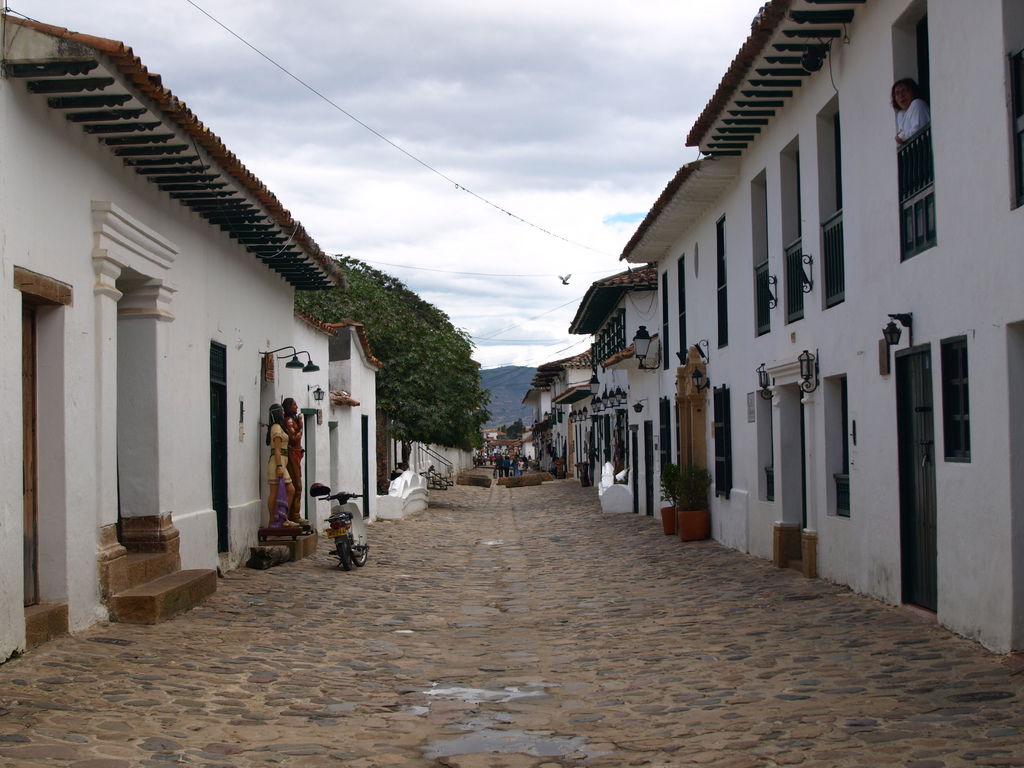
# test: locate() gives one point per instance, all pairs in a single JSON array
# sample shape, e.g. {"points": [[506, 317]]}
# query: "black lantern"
{"points": [[318, 394], [764, 382], [808, 371], [893, 332], [641, 345], [699, 380], [638, 406], [813, 57]]}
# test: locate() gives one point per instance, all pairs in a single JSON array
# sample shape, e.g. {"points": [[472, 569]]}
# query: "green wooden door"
{"points": [[916, 447]]}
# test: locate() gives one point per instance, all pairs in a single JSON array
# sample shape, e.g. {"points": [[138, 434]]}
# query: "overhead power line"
{"points": [[384, 138]]}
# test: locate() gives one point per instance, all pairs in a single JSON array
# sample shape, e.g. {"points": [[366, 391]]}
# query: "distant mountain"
{"points": [[508, 386]]}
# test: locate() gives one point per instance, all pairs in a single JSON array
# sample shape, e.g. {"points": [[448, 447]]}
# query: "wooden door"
{"points": [[916, 447], [28, 411], [649, 468], [219, 442]]}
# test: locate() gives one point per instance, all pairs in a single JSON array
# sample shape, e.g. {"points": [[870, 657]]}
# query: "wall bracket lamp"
{"points": [[295, 363], [892, 332], [764, 382], [642, 348], [700, 381], [808, 371]]}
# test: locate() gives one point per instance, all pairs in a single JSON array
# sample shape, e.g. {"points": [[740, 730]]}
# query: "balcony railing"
{"points": [[794, 281], [842, 495], [835, 276], [917, 194], [763, 295]]}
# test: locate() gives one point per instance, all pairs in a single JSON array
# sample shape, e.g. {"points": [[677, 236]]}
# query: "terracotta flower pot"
{"points": [[668, 520], [694, 524]]}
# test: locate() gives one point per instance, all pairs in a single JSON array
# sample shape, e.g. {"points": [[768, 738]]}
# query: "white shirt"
{"points": [[912, 119]]}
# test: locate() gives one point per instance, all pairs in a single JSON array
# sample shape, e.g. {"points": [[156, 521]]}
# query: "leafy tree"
{"points": [[515, 429], [429, 388]]}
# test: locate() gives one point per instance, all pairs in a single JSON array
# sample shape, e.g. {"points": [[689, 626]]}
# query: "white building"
{"points": [[620, 399], [802, 234], [145, 274]]}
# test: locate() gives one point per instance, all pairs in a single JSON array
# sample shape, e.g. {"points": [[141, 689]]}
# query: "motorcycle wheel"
{"points": [[359, 555], [344, 555]]}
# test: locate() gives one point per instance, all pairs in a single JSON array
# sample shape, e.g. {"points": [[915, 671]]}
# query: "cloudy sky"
{"points": [[533, 135]]}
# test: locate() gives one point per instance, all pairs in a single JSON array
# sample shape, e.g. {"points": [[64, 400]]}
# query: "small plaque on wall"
{"points": [[751, 408]]}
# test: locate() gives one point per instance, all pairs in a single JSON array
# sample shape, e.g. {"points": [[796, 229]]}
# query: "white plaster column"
{"points": [[814, 473], [105, 320], [143, 371]]}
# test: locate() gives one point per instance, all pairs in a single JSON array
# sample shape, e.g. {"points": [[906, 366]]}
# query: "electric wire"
{"points": [[384, 138]]}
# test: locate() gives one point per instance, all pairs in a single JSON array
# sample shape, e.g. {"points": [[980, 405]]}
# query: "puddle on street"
{"points": [[493, 543], [485, 734], [480, 695], [493, 741]]}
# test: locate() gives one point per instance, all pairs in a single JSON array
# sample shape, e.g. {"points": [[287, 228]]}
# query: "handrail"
{"points": [[438, 458]]}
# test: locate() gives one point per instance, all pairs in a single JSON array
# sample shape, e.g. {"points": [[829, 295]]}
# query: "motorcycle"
{"points": [[345, 527]]}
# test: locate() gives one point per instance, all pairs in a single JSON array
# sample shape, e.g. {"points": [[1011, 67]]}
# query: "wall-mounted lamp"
{"points": [[642, 347], [594, 383], [295, 363], [318, 394], [813, 57], [619, 395], [702, 349], [700, 381], [764, 382], [808, 371], [892, 332], [638, 406]]}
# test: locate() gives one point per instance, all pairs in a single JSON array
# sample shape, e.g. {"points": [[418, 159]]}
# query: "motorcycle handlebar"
{"points": [[341, 496]]}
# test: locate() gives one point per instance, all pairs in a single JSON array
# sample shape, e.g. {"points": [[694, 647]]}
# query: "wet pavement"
{"points": [[515, 628]]}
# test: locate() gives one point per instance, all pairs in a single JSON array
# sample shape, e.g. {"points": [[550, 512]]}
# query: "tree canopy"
{"points": [[429, 388]]}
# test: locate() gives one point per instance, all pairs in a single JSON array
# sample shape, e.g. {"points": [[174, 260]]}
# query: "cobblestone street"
{"points": [[518, 628]]}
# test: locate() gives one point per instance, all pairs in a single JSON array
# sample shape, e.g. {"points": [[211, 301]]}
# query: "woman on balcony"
{"points": [[912, 112]]}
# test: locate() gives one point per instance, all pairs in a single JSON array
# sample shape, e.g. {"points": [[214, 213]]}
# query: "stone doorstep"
{"points": [[45, 622], [147, 566], [162, 598]]}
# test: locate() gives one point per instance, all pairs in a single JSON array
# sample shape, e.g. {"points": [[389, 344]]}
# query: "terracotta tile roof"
{"points": [[763, 29], [312, 322], [694, 188], [547, 372], [341, 397], [363, 340], [604, 295], [151, 86], [659, 205]]}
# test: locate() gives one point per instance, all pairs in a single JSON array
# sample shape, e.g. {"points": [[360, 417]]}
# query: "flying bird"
{"points": [[565, 279]]}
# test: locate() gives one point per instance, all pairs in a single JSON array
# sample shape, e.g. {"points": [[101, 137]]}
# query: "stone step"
{"points": [[44, 622], [162, 598], [144, 567]]}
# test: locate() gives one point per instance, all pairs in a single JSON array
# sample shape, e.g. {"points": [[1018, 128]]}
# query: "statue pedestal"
{"points": [[300, 540]]}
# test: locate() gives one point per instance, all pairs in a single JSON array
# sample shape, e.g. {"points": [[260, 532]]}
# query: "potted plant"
{"points": [[669, 493], [692, 505]]}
